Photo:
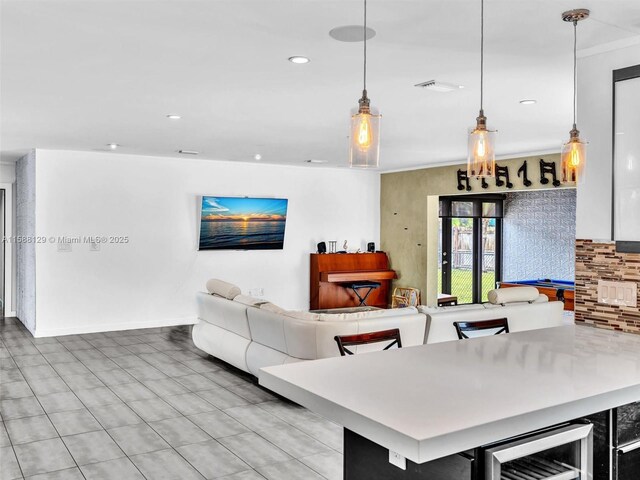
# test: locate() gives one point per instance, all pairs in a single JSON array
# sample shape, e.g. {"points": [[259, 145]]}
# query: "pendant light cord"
{"points": [[481, 54], [575, 71], [365, 45]]}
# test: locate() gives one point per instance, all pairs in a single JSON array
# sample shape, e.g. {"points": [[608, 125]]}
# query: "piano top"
{"points": [[357, 276]]}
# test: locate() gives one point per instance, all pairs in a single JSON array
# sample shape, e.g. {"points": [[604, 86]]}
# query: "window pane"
{"points": [[462, 259], [488, 256], [488, 209], [462, 209]]}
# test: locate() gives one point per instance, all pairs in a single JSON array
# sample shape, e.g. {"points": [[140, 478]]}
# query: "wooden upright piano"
{"points": [[332, 272]]}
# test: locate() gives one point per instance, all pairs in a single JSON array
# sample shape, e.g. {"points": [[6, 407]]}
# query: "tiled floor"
{"points": [[147, 404]]}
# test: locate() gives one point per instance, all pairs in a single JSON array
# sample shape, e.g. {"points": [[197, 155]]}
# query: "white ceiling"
{"points": [[81, 74]]}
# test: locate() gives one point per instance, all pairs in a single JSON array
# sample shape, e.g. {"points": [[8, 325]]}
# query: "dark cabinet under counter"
{"points": [[626, 449], [616, 443]]}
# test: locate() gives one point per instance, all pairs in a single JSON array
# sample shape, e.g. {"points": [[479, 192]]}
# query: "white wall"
{"points": [[593, 214], [7, 172], [154, 201]]}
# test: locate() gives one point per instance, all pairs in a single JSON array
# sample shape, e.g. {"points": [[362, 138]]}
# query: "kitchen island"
{"points": [[432, 401]]}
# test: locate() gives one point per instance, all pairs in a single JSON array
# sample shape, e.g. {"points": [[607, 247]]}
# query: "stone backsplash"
{"points": [[600, 261]]}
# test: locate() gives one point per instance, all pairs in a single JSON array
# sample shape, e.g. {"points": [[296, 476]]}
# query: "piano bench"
{"points": [[357, 286]]}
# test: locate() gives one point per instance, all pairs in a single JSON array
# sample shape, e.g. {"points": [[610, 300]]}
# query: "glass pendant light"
{"points": [[574, 152], [481, 159], [364, 145]]}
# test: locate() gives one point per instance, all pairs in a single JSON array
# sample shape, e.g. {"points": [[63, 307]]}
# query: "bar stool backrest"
{"points": [[499, 325], [344, 341]]}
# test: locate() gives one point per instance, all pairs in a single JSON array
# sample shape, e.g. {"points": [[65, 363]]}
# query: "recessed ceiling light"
{"points": [[299, 59], [188, 152], [174, 117], [257, 156], [528, 102], [112, 146], [314, 160]]}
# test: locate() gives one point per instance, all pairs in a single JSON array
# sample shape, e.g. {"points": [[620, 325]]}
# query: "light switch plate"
{"points": [[623, 294], [397, 460]]}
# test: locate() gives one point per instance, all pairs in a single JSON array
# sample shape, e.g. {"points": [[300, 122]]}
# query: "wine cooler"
{"points": [[563, 453]]}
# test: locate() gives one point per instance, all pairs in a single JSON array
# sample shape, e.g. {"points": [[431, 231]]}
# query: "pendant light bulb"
{"points": [[364, 144], [481, 158], [574, 152], [365, 136]]}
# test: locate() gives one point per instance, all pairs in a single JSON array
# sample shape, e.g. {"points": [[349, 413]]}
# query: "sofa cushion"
{"points": [[250, 301], [457, 308], [378, 313], [502, 296], [272, 307], [223, 289], [541, 299], [301, 315]]}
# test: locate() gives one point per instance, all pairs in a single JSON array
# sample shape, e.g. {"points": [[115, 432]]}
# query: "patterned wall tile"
{"points": [[539, 235]]}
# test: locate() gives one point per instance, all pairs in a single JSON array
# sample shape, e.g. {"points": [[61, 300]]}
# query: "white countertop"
{"points": [[430, 401]]}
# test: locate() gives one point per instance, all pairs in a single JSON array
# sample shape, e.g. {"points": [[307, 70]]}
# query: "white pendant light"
{"points": [[574, 152], [481, 158], [364, 144]]}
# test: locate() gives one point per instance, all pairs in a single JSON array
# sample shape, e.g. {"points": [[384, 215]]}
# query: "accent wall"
{"points": [[539, 235]]}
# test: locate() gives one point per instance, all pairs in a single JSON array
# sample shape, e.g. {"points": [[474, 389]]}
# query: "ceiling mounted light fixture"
{"points": [[364, 147], [481, 159], [528, 102], [112, 146], [299, 59], [174, 117], [574, 152], [436, 86], [257, 157]]}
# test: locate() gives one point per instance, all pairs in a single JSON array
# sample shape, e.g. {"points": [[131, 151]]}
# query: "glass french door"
{"points": [[470, 247]]}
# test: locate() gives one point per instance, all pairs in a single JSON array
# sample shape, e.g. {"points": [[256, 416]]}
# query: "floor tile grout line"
{"points": [[145, 421], [91, 413], [181, 415], [222, 411], [87, 409], [49, 419], [298, 428]]}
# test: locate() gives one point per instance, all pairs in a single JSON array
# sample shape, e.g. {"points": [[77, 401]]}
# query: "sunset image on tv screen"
{"points": [[240, 223]]}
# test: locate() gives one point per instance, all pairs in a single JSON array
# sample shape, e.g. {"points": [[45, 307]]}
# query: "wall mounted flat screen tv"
{"points": [[242, 223]]}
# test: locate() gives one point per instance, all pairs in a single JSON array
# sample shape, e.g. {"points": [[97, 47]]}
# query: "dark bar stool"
{"points": [[344, 341], [500, 325], [357, 286]]}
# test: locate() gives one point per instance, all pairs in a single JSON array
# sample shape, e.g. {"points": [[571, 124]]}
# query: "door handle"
{"points": [[628, 448]]}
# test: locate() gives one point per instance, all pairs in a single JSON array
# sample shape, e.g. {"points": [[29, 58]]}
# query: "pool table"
{"points": [[561, 290]]}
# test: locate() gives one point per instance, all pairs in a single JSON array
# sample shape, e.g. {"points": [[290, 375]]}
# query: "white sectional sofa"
{"points": [[520, 314], [250, 334]]}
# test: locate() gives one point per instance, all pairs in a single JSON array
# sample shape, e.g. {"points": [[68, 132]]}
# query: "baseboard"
{"points": [[112, 327]]}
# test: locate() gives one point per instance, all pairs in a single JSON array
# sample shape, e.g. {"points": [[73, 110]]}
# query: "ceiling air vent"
{"points": [[435, 86]]}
